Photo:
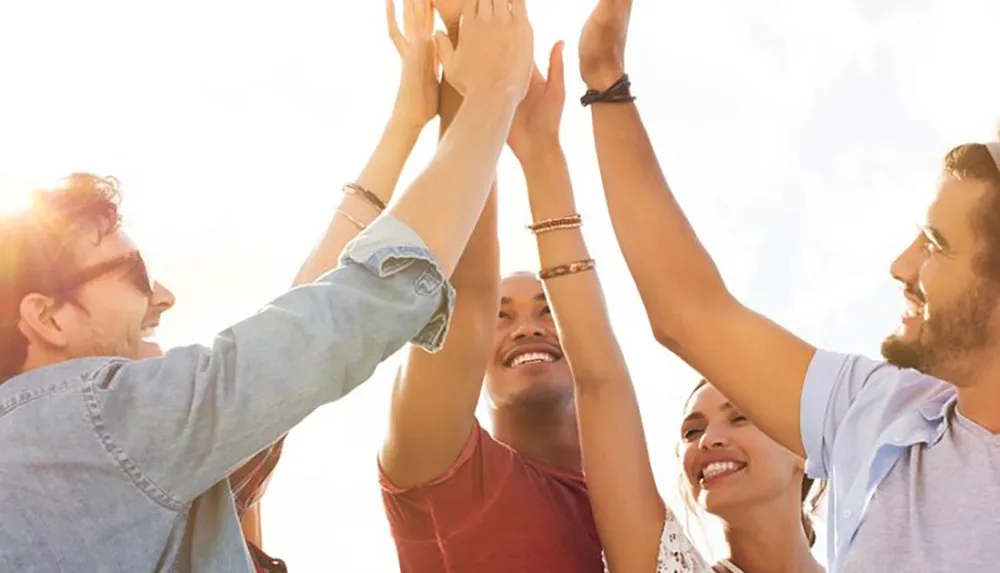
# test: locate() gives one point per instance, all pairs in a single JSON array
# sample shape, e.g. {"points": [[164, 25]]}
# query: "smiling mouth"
{"points": [[717, 470], [529, 358], [149, 333]]}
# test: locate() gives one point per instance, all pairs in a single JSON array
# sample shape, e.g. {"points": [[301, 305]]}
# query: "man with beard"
{"points": [[910, 445], [458, 499]]}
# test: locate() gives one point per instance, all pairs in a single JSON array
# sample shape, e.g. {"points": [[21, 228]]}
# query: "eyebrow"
{"points": [[700, 416], [934, 236], [540, 297]]}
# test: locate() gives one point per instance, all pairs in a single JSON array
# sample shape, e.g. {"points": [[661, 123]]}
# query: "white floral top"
{"points": [[677, 553]]}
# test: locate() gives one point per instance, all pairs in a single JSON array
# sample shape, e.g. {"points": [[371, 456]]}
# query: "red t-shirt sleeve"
{"points": [[429, 513]]}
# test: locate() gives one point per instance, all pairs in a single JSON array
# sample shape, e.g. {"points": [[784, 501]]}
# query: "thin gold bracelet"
{"points": [[361, 226], [373, 199], [567, 269]]}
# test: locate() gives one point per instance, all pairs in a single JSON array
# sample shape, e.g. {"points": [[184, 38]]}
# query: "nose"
{"points": [[527, 329], [162, 299], [714, 437], [906, 267]]}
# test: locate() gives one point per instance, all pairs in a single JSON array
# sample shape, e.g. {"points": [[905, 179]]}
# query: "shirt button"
{"points": [[847, 513]]}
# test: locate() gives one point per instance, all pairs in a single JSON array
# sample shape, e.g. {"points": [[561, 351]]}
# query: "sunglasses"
{"points": [[132, 263]]}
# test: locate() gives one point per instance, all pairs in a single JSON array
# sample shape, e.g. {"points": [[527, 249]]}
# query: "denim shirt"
{"points": [[858, 417], [121, 466]]}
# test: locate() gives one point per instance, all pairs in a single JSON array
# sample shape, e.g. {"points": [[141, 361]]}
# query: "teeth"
{"points": [[715, 468], [532, 358], [148, 333]]}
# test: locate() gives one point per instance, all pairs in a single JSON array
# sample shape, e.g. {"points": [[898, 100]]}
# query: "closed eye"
{"points": [[690, 434]]}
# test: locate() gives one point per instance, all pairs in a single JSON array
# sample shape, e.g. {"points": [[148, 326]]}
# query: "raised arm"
{"points": [[627, 507], [754, 362], [416, 105], [217, 406], [435, 395]]}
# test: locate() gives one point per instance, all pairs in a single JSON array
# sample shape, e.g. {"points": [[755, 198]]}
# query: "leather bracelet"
{"points": [[619, 92]]}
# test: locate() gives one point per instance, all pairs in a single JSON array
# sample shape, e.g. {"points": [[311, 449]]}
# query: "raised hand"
{"points": [[450, 11], [495, 54], [417, 100], [602, 44], [538, 117]]}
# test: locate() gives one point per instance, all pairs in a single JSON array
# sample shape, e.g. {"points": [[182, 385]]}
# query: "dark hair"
{"points": [[974, 161], [812, 490], [37, 247]]}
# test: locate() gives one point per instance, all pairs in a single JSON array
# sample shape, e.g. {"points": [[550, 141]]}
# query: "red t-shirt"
{"points": [[494, 512]]}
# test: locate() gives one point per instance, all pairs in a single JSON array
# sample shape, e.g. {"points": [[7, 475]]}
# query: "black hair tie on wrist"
{"points": [[619, 92]]}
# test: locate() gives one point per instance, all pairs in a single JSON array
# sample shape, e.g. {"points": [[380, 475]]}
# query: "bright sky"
{"points": [[803, 139]]}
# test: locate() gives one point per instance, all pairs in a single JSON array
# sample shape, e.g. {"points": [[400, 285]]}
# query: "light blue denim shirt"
{"points": [[120, 466], [858, 417]]}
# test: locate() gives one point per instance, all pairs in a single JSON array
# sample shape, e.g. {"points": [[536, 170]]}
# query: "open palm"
{"points": [[417, 101], [539, 115]]}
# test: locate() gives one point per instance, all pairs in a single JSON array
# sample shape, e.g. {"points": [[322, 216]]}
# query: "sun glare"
{"points": [[14, 196]]}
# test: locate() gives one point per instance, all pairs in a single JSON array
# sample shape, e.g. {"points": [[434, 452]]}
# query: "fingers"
{"points": [[536, 76], [409, 18], [557, 68], [394, 34], [427, 12], [501, 9], [517, 9], [445, 52]]}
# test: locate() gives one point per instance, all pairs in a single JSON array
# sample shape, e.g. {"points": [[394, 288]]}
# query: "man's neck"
{"points": [[547, 434], [981, 404], [979, 397], [769, 537]]}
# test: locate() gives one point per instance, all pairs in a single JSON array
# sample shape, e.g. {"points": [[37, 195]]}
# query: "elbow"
{"points": [[672, 326]]}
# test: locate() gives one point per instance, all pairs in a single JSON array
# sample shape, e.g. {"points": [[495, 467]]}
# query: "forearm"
{"points": [[576, 300], [627, 507], [380, 176], [655, 236], [445, 202], [312, 345], [435, 397]]}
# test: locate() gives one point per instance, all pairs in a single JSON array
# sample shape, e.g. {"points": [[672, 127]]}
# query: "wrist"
{"points": [[604, 77], [496, 97], [551, 206], [539, 152], [405, 124]]}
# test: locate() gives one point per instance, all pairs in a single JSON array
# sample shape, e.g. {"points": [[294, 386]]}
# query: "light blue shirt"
{"points": [[858, 418], [120, 466]]}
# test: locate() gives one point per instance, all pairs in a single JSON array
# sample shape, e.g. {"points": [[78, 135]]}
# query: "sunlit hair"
{"points": [[974, 161], [812, 490], [37, 249]]}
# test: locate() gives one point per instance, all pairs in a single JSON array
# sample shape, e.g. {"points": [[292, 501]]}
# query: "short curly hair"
{"points": [[37, 247], [975, 161]]}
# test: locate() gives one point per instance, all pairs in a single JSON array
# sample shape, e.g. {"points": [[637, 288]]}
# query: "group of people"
{"points": [[119, 456]]}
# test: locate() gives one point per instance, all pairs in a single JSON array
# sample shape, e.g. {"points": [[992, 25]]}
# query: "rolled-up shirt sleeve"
{"points": [[179, 424]]}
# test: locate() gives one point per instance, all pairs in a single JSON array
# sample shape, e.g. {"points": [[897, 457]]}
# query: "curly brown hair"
{"points": [[37, 248], [974, 161]]}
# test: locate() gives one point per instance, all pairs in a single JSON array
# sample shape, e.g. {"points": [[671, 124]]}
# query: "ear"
{"points": [[39, 321]]}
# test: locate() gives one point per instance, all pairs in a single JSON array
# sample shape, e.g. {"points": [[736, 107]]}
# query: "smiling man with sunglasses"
{"points": [[112, 461]]}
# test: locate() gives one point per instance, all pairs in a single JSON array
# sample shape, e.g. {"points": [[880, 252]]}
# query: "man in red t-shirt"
{"points": [[458, 499]]}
